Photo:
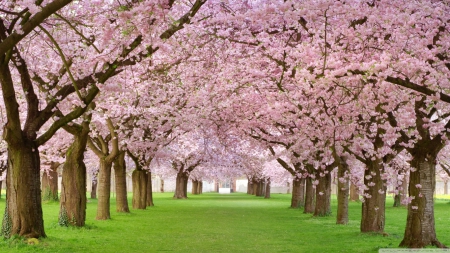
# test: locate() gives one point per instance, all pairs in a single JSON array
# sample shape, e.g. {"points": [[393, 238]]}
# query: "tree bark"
{"points": [[50, 182], [250, 187], [354, 196], [267, 191], [181, 186], [162, 186], [397, 200], [104, 190], [445, 187], [194, 186], [298, 193], [323, 195], [121, 183], [309, 196], [94, 189], [149, 189], [140, 180], [23, 212], [373, 207], [200, 187], [343, 192], [73, 186], [420, 225]]}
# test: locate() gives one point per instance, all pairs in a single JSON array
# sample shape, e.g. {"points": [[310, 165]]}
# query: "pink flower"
{"points": [[414, 207], [418, 186]]}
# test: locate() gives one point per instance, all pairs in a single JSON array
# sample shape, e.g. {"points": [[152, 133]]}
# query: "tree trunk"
{"points": [[309, 196], [267, 192], [354, 196], [298, 193], [121, 184], [23, 212], [404, 194], [104, 190], [323, 195], [181, 186], [216, 186], [1, 189], [140, 180], [397, 200], [194, 186], [420, 229], [342, 193], [250, 187], [255, 187], [50, 182], [373, 207], [200, 187], [162, 186], [73, 186], [149, 189], [94, 189]]}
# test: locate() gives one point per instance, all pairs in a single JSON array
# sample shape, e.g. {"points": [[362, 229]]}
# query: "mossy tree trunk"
{"points": [[121, 183], [140, 180], [50, 182], [73, 186]]}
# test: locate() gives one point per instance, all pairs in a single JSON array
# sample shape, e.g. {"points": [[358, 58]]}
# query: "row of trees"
{"points": [[312, 85]]}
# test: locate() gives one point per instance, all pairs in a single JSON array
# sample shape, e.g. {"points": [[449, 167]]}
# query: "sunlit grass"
{"points": [[221, 223]]}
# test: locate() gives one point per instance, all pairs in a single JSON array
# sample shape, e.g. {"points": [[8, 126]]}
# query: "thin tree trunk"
{"points": [[94, 189], [373, 207], [23, 212], [445, 187], [50, 182], [162, 185], [298, 193], [343, 192], [420, 225], [200, 187], [404, 191], [72, 209], [323, 195], [250, 187], [121, 183], [354, 196], [140, 180], [104, 190], [149, 189], [309, 196], [267, 192], [1, 182], [181, 186], [397, 200]]}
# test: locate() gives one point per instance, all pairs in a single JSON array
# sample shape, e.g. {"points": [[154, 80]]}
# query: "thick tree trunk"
{"points": [[373, 207], [140, 180], [194, 186], [298, 193], [255, 187], [323, 195], [104, 190], [420, 229], [162, 186], [149, 189], [121, 184], [73, 186], [94, 189], [354, 196], [181, 186], [23, 212], [404, 191], [309, 196], [50, 182], [342, 193], [267, 191]]}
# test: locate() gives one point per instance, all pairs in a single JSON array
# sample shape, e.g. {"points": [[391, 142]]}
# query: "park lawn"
{"points": [[221, 223]]}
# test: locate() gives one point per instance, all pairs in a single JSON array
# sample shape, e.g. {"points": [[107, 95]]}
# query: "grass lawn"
{"points": [[221, 223]]}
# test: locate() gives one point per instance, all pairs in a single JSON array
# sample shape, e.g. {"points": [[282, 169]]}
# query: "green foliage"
{"points": [[211, 222], [63, 220], [6, 224]]}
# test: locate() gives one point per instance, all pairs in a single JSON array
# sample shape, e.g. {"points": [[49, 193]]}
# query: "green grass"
{"points": [[220, 223]]}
